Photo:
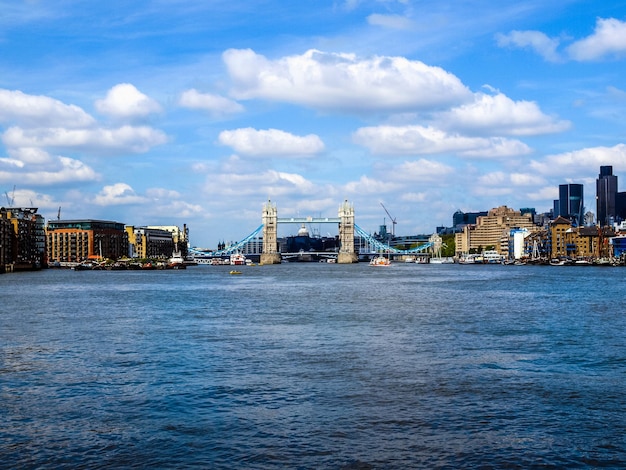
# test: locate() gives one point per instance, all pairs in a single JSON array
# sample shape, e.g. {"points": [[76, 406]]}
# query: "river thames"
{"points": [[314, 366]]}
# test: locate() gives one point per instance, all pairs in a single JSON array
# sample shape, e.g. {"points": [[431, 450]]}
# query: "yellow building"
{"points": [[493, 230], [578, 242], [153, 243]]}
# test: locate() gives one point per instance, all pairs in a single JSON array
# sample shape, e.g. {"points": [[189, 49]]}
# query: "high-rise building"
{"points": [[606, 196], [570, 204]]}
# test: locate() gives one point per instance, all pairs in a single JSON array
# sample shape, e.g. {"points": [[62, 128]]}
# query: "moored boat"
{"points": [[380, 261], [176, 261], [237, 259]]}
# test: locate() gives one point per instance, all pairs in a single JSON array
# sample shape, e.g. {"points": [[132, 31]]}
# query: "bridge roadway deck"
{"points": [[308, 220]]}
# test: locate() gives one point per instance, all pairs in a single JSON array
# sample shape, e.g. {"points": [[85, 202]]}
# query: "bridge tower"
{"points": [[270, 254], [346, 253]]}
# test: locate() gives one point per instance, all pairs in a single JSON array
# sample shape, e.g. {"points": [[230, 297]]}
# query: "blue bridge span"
{"points": [[365, 243]]}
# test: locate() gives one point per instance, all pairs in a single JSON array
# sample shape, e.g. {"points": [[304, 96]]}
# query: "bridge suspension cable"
{"points": [[380, 246], [229, 250], [377, 245]]}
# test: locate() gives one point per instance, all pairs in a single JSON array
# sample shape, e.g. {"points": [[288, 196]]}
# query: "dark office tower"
{"points": [[606, 195], [571, 202]]}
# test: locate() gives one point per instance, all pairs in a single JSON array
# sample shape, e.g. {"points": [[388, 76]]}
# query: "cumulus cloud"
{"points": [[167, 201], [608, 38], [271, 142], [366, 185], [343, 82], [543, 45], [545, 193], [216, 105], [500, 115], [499, 178], [421, 170], [28, 197], [40, 111], [118, 194], [137, 139], [127, 102], [47, 170], [581, 161], [31, 155], [270, 183], [419, 140]]}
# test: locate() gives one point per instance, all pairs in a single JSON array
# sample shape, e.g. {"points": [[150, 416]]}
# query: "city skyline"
{"points": [[167, 112]]}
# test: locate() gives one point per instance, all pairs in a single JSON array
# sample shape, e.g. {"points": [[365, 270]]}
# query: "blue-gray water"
{"points": [[314, 366]]}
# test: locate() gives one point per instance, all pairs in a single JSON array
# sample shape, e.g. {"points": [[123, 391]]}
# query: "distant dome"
{"points": [[303, 232]]}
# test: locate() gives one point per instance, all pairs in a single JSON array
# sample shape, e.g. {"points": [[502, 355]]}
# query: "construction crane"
{"points": [[10, 200], [59, 214], [393, 221]]}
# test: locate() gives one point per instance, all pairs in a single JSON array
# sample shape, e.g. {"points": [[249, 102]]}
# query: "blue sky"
{"points": [[173, 112]]}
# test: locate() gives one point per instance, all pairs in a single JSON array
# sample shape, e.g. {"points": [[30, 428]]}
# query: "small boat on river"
{"points": [[380, 261]]}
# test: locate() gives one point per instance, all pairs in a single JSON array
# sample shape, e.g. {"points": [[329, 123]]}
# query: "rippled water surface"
{"points": [[314, 366]]}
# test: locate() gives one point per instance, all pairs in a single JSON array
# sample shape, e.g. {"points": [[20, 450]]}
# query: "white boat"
{"points": [[176, 261], [237, 259], [380, 261], [439, 260], [492, 257], [467, 259]]}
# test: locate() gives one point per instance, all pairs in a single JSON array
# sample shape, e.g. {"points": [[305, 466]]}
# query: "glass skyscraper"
{"points": [[606, 196], [570, 203]]}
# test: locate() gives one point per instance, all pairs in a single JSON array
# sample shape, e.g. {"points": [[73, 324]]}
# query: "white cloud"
{"points": [[215, 104], [537, 41], [30, 155], [343, 81], [137, 139], [167, 201], [421, 170], [118, 194], [31, 110], [49, 171], [581, 161], [608, 38], [414, 197], [271, 142], [500, 115], [500, 178], [419, 140], [366, 185], [390, 21], [545, 193], [270, 183], [526, 179], [127, 102], [11, 162], [30, 198]]}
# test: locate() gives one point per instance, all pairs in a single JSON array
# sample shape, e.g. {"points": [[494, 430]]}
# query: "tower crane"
{"points": [[393, 221], [10, 200]]}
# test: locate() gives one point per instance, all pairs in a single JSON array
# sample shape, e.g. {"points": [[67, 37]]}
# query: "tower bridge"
{"points": [[264, 240]]}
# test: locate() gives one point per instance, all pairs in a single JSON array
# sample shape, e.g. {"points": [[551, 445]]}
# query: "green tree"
{"points": [[448, 248]]}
